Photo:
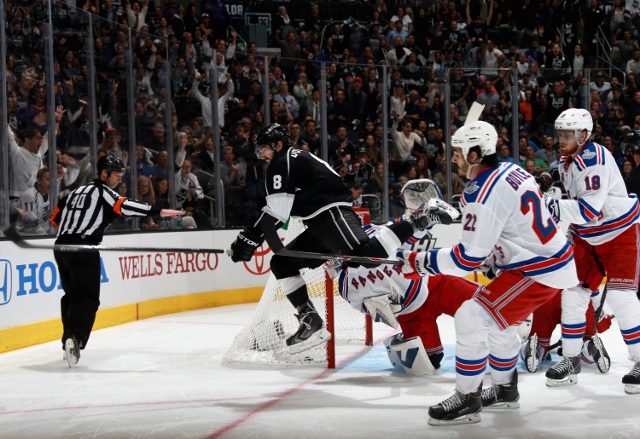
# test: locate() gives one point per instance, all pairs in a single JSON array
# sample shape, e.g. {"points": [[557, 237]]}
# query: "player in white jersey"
{"points": [[37, 207], [503, 213], [604, 227]]}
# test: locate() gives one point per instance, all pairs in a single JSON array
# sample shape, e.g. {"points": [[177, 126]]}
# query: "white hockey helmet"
{"points": [[576, 119], [481, 134]]}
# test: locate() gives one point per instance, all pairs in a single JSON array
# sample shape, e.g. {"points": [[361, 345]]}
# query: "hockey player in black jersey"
{"points": [[299, 184]]}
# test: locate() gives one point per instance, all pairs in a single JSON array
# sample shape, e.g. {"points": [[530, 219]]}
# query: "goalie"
{"points": [[300, 185], [412, 305]]}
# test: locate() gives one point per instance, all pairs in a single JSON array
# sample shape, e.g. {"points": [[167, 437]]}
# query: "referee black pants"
{"points": [[80, 275]]}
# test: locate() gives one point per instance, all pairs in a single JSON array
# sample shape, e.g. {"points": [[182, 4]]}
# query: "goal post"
{"points": [[261, 342]]}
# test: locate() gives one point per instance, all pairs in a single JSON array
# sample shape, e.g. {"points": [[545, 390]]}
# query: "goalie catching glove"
{"points": [[245, 245], [435, 211], [416, 264]]}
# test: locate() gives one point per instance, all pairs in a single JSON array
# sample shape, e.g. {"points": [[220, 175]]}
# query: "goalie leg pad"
{"points": [[409, 355]]}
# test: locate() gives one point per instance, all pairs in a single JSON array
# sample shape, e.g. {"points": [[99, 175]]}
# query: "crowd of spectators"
{"points": [[545, 47]]}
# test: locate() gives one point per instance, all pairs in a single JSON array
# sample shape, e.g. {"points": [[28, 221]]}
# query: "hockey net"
{"points": [[261, 343]]}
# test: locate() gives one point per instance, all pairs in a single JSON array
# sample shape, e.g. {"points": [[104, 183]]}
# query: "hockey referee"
{"points": [[81, 218]]}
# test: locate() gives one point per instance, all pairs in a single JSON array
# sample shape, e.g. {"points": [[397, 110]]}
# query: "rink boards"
{"points": [[138, 285]]}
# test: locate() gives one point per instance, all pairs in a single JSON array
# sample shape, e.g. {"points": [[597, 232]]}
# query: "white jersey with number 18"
{"points": [[599, 208]]}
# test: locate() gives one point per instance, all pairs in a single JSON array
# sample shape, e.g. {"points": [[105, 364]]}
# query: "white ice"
{"points": [[163, 378]]}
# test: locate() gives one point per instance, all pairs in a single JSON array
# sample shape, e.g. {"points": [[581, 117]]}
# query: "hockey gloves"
{"points": [[554, 207], [435, 211], [245, 245], [416, 264]]}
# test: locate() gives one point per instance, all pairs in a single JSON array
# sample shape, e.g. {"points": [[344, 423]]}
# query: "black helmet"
{"points": [[632, 141], [111, 163], [271, 135]]}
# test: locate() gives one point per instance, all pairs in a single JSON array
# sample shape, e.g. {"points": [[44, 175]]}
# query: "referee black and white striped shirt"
{"points": [[88, 210]]}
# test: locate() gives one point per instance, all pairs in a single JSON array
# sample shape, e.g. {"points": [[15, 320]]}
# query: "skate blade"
{"points": [[532, 364], [316, 339], [632, 389], [603, 365], [569, 381], [72, 358], [502, 406], [604, 362], [473, 418]]}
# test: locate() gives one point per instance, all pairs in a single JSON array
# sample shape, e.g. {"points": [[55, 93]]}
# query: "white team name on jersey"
{"points": [[516, 177]]}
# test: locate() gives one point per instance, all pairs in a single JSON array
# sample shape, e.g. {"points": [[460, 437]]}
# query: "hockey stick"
{"points": [[600, 309], [15, 237], [346, 258], [474, 113]]}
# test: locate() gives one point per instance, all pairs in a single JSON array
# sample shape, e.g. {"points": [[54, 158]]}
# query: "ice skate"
{"points": [[532, 353], [72, 351], [382, 309], [310, 333], [457, 409], [631, 380], [599, 354], [502, 396], [564, 372]]}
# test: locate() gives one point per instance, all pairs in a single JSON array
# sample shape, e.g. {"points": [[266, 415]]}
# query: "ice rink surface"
{"points": [[163, 378]]}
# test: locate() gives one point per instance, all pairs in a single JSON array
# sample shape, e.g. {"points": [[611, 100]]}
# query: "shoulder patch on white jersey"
{"points": [[593, 154], [471, 188], [587, 155]]}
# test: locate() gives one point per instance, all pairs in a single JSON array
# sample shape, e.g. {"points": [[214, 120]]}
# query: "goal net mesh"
{"points": [[261, 343]]}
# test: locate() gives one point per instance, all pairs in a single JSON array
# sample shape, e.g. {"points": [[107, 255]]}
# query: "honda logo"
{"points": [[6, 282]]}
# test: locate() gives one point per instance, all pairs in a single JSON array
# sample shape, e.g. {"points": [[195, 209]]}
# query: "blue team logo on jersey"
{"points": [[5, 282], [587, 155], [471, 188]]}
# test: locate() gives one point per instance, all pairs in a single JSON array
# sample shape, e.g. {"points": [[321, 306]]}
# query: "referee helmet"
{"points": [[110, 163]]}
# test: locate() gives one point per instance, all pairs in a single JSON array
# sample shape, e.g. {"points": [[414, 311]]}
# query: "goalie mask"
{"points": [[417, 192]]}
